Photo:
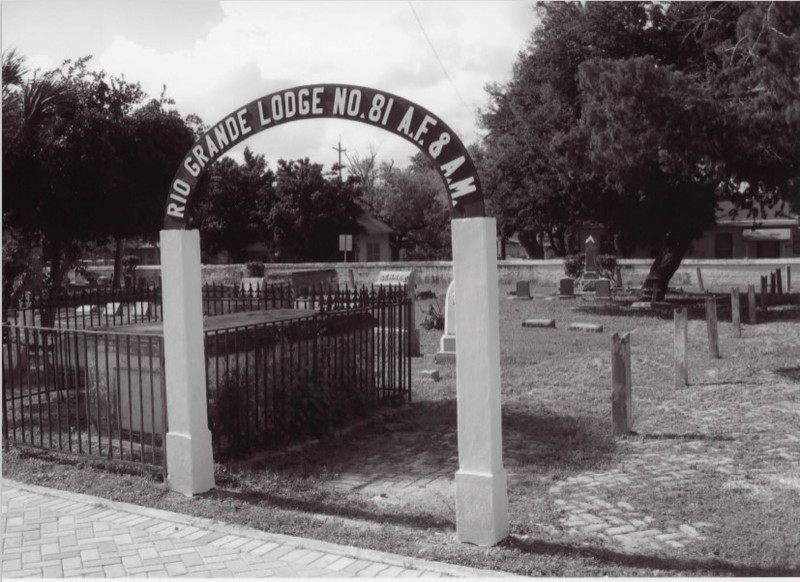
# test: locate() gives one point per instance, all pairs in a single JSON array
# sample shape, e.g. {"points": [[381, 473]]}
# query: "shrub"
{"points": [[573, 265], [129, 263]]}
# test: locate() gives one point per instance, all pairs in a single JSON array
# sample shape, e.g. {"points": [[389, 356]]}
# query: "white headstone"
{"points": [[447, 343]]}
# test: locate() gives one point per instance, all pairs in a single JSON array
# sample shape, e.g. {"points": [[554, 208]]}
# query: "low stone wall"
{"points": [[718, 275]]}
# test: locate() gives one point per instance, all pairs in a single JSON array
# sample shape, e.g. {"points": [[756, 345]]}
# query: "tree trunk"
{"points": [[117, 278], [530, 242], [663, 268]]}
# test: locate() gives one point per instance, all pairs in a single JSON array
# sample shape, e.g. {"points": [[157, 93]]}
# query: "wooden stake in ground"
{"points": [[711, 325], [700, 280], [788, 279], [681, 339], [778, 282], [621, 401], [736, 317], [764, 298], [751, 304], [772, 284]]}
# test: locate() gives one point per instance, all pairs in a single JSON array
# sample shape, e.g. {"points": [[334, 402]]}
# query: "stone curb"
{"points": [[242, 531]]}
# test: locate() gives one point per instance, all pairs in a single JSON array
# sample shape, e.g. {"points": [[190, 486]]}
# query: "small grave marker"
{"points": [[621, 398], [566, 287], [681, 341], [590, 327], [778, 281], [408, 281], [736, 318], [539, 323], [772, 285], [764, 298], [602, 289], [430, 374], [711, 325], [523, 290]]}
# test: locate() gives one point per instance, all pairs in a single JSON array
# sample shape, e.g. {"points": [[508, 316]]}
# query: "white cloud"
{"points": [[261, 47]]}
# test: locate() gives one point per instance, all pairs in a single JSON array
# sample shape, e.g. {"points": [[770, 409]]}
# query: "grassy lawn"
{"points": [[708, 484]]}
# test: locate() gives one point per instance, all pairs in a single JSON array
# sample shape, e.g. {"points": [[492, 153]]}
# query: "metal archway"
{"points": [[376, 108]]}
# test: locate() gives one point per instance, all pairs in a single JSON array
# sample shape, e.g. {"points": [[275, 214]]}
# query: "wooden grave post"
{"points": [[681, 340], [736, 316], [711, 325], [621, 398], [751, 304]]}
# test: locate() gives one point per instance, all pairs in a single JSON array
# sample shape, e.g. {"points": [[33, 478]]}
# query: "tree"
{"points": [[234, 211], [310, 211], [412, 201], [640, 117], [82, 161]]}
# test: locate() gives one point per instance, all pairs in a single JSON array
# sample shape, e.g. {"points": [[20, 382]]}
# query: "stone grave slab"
{"points": [[566, 287], [539, 323], [587, 327]]}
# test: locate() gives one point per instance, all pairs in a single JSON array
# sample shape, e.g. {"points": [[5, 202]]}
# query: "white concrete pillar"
{"points": [[190, 462], [481, 483]]}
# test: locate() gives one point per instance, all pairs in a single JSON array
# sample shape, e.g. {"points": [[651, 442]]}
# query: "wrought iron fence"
{"points": [[282, 381], [83, 392], [108, 307]]}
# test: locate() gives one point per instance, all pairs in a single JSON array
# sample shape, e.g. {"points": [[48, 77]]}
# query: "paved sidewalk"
{"points": [[49, 533]]}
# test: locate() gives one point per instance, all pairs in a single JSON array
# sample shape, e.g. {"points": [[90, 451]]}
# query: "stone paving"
{"points": [[55, 534]]}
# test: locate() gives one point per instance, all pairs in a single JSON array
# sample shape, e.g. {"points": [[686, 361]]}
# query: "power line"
{"points": [[435, 54]]}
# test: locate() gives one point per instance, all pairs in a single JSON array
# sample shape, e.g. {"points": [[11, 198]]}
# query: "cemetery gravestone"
{"points": [[602, 289], [408, 281], [566, 287], [621, 401], [590, 266], [523, 290], [447, 343]]}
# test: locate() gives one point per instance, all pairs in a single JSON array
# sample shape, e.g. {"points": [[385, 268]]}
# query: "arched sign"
{"points": [[377, 108]]}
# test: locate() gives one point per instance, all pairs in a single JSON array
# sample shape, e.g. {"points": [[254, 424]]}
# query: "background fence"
{"points": [[85, 392]]}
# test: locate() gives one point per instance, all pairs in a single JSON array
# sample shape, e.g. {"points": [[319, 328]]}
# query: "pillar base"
{"points": [[190, 462], [481, 507]]}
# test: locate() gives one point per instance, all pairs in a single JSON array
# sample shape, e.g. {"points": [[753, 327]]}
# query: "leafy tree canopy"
{"points": [[640, 116]]}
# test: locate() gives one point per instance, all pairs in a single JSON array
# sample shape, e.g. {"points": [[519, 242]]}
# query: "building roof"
{"points": [[372, 225]]}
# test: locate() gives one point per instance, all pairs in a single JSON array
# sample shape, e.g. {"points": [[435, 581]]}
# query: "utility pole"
{"points": [[340, 150]]}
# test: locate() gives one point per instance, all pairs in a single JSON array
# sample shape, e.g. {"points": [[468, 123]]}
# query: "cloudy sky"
{"points": [[214, 57]]}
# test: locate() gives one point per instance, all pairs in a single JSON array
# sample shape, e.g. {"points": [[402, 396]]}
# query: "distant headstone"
{"points": [[523, 290], [566, 287], [590, 264], [430, 374], [407, 280], [447, 343], [304, 279], [602, 289]]}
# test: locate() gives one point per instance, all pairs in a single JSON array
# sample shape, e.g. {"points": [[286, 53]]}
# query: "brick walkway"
{"points": [[55, 534]]}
